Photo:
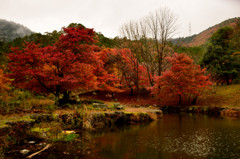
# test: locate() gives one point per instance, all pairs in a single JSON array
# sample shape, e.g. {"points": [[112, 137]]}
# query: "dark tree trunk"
{"points": [[180, 99], [189, 99], [66, 96], [194, 100], [57, 95], [131, 94], [65, 99], [113, 96]]}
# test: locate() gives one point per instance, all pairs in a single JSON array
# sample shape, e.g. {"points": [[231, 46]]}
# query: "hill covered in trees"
{"points": [[11, 30], [202, 38]]}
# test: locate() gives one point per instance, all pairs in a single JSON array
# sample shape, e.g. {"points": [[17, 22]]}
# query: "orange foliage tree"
{"points": [[4, 81], [133, 73], [183, 79]]}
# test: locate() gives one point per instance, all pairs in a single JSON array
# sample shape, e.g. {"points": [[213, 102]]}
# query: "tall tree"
{"points": [[218, 58], [162, 25], [72, 63], [133, 73], [149, 37]]}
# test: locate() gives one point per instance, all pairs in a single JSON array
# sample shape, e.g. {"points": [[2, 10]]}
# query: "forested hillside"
{"points": [[203, 37], [11, 30]]}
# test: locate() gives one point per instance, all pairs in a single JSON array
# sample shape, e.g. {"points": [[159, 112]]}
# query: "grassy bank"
{"points": [[221, 96]]}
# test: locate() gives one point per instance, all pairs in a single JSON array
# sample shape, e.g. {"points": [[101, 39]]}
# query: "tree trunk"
{"points": [[113, 96], [131, 94], [189, 99], [56, 100], [180, 99], [57, 95], [194, 100], [66, 98]]}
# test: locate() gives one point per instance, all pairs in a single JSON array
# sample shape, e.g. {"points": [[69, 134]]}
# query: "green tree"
{"points": [[218, 58], [3, 49], [105, 41], [235, 41], [195, 52]]}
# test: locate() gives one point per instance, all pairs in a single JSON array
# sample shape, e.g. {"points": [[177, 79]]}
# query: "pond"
{"points": [[174, 136]]}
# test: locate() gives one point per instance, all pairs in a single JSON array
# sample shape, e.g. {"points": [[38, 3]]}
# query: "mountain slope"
{"points": [[203, 37], [11, 30]]}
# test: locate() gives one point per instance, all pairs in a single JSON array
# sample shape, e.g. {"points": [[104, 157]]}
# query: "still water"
{"points": [[174, 136]]}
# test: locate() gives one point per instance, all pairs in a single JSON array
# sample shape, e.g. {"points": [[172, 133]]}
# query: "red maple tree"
{"points": [[133, 73], [72, 63], [183, 79]]}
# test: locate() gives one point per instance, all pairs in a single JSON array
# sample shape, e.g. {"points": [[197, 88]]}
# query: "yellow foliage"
{"points": [[116, 71], [48, 68], [4, 81]]}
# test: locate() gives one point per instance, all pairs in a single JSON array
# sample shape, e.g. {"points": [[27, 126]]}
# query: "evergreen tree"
{"points": [[218, 58]]}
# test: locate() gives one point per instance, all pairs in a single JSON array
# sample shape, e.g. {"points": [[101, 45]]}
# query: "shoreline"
{"points": [[49, 128]]}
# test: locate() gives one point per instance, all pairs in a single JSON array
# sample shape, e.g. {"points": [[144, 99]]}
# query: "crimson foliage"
{"points": [[183, 79], [72, 63]]}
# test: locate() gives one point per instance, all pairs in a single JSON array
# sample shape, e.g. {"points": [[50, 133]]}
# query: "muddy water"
{"points": [[174, 136]]}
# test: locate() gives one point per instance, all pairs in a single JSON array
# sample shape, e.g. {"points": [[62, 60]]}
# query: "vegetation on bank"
{"points": [[221, 96]]}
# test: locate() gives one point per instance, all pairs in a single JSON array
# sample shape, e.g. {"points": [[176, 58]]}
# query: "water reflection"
{"points": [[174, 136]]}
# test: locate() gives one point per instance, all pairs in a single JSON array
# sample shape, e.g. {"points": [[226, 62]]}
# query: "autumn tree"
{"points": [[72, 63], [139, 43], [133, 73], [183, 79], [126, 67], [4, 82]]}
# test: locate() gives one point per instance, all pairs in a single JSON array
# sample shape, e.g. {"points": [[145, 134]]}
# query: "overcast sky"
{"points": [[106, 16]]}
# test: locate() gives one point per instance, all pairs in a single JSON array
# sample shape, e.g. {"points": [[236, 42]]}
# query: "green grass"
{"points": [[5, 119]]}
